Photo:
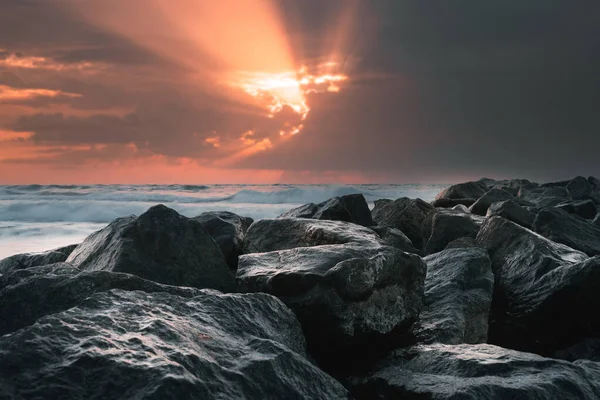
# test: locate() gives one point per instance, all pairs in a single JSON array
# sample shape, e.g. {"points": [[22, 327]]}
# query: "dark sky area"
{"points": [[421, 91]]}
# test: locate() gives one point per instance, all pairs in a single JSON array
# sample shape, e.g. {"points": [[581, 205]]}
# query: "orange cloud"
{"points": [[44, 63], [8, 93]]}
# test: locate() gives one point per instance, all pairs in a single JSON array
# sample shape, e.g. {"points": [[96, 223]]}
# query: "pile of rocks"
{"points": [[487, 292]]}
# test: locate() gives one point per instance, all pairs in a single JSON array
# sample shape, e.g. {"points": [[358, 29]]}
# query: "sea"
{"points": [[35, 218]]}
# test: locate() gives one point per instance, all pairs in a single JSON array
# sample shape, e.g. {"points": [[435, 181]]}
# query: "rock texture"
{"points": [[404, 214], [159, 245], [134, 345], [458, 296], [21, 261], [545, 196], [472, 190], [395, 238], [480, 207], [461, 243], [579, 188], [350, 292], [349, 208], [477, 372], [568, 229], [588, 349], [543, 290], [444, 202], [442, 226], [29, 294], [583, 208], [512, 211], [228, 231]]}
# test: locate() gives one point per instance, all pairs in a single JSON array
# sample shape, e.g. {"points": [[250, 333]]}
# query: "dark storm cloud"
{"points": [[437, 89]]}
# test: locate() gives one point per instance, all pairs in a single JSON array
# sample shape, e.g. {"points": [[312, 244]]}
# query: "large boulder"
{"points": [[587, 349], [543, 290], [477, 372], [458, 296], [29, 294], [159, 245], [348, 208], [442, 226], [395, 238], [568, 229], [584, 208], [404, 214], [135, 345], [480, 207], [28, 260], [353, 295], [512, 211], [228, 230], [545, 196], [464, 190], [461, 243], [579, 188]]}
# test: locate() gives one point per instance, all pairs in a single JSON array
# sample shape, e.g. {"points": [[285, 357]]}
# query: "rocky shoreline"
{"points": [[487, 292]]}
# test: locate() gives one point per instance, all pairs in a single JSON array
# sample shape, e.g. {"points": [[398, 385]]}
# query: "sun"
{"points": [[275, 91]]}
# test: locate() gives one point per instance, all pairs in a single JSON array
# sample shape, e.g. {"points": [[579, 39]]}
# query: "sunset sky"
{"points": [[297, 91]]}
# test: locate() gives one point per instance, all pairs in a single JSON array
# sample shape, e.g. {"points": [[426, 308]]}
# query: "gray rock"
{"points": [[228, 231], [579, 188], [135, 345], [472, 190], [583, 208], [159, 245], [350, 297], [29, 294], [349, 208], [588, 349], [458, 296], [480, 207], [477, 372], [461, 243], [442, 226], [395, 238], [597, 220], [545, 196], [289, 233], [568, 229], [512, 211], [404, 214], [556, 184], [461, 208], [28, 260], [543, 291], [449, 203]]}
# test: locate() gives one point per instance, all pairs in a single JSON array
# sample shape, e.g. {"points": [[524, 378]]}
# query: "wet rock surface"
{"points": [[583, 208], [228, 231], [159, 245], [543, 290], [476, 372], [351, 292], [443, 226], [22, 261], [348, 208], [473, 190], [480, 207], [126, 344], [512, 211], [571, 230], [545, 196], [404, 214], [458, 296]]}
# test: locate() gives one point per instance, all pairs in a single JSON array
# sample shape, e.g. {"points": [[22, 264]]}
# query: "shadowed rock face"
{"points": [[477, 372], [228, 231], [404, 214], [124, 345], [449, 203], [568, 229], [349, 208], [442, 226], [512, 211], [545, 196], [159, 245], [472, 190], [480, 207], [461, 243], [579, 188], [29, 294], [543, 292], [21, 261], [583, 208], [350, 292], [395, 238], [458, 296]]}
